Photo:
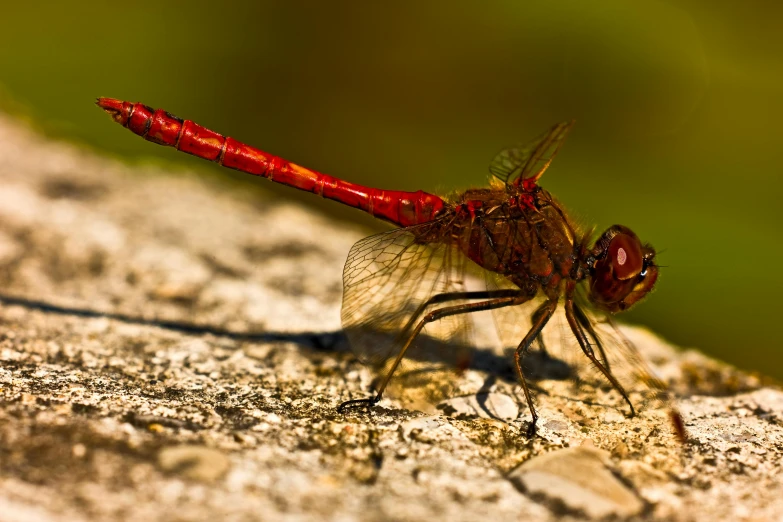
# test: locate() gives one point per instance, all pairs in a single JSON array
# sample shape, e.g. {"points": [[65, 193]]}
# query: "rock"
{"points": [[157, 328], [580, 479]]}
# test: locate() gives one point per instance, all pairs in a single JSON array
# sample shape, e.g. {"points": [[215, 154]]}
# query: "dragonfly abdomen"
{"points": [[158, 126]]}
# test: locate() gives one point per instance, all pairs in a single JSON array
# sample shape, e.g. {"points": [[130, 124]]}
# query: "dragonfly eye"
{"points": [[625, 256], [623, 272]]}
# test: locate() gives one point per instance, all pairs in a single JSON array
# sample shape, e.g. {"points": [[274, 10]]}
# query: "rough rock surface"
{"points": [[170, 349]]}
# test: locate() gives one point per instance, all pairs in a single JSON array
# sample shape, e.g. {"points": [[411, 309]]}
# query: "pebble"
{"points": [[579, 478], [194, 462], [484, 405], [428, 423]]}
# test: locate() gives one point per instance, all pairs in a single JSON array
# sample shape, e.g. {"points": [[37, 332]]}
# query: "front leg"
{"points": [[584, 343], [539, 319]]}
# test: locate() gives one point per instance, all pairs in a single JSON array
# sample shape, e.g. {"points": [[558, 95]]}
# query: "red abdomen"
{"points": [[158, 126]]}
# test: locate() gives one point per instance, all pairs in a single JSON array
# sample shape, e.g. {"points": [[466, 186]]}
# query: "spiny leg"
{"points": [[436, 299], [585, 322], [539, 319], [588, 351], [499, 302], [453, 296], [445, 297]]}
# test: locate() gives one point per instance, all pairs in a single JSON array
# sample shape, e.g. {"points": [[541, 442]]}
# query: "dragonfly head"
{"points": [[623, 270]]}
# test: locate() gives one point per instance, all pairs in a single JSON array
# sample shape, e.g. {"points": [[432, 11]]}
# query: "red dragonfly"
{"points": [[535, 260]]}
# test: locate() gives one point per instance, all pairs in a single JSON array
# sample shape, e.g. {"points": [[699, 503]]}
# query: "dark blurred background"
{"points": [[678, 109]]}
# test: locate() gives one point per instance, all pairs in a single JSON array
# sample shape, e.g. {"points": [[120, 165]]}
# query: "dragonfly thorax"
{"points": [[524, 235]]}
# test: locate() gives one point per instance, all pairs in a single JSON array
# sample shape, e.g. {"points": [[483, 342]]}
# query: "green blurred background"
{"points": [[678, 109]]}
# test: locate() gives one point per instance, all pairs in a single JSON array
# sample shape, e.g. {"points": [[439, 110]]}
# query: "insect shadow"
{"points": [[430, 352], [327, 341], [430, 355]]}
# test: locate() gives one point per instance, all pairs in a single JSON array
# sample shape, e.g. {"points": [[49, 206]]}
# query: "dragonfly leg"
{"points": [[539, 319], [368, 403], [585, 322], [509, 298], [453, 296], [584, 343]]}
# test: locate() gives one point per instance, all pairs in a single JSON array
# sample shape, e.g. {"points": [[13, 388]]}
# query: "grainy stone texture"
{"points": [[170, 349]]}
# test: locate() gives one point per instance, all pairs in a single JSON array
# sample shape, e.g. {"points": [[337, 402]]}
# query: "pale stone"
{"points": [[580, 479], [486, 405], [194, 462]]}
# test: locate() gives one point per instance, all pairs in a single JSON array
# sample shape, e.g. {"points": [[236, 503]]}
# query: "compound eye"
{"points": [[625, 256], [624, 270]]}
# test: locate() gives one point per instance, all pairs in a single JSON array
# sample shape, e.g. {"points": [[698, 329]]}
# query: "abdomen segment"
{"points": [[158, 126]]}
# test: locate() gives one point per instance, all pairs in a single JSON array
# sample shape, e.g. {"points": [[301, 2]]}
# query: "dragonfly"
{"points": [[408, 292]]}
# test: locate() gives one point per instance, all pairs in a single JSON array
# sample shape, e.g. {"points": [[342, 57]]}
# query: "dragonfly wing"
{"points": [[388, 280], [529, 160]]}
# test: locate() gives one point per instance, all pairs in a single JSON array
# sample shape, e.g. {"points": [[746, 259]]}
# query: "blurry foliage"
{"points": [[677, 105]]}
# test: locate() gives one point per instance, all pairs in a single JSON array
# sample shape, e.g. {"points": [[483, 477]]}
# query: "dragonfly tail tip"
{"points": [[113, 107]]}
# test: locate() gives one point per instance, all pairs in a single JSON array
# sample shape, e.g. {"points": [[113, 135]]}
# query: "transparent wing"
{"points": [[529, 160], [388, 282]]}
